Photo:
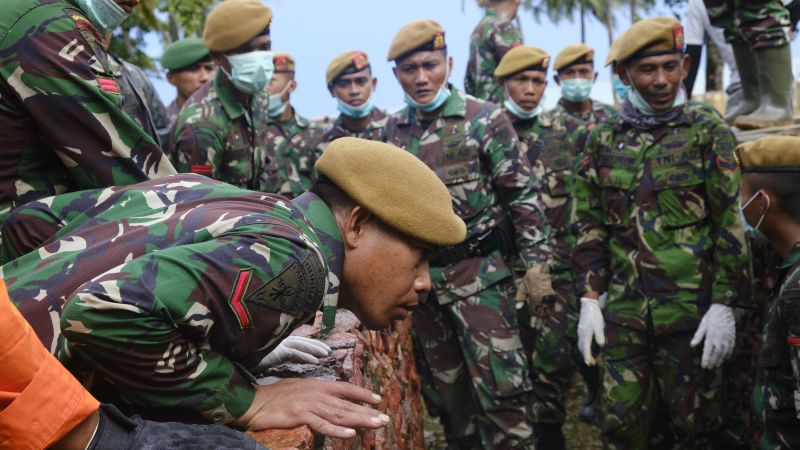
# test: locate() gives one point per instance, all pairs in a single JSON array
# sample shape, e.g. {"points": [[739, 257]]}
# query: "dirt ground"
{"points": [[579, 435]]}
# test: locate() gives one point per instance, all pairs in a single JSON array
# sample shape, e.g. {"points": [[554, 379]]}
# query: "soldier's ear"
{"points": [[171, 78], [352, 224], [556, 78], [374, 84], [687, 65]]}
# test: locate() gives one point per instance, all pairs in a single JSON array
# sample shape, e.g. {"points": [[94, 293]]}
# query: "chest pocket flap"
{"points": [[680, 192]]}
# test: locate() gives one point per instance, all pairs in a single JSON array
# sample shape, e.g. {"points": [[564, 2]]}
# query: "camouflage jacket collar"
{"points": [[227, 97], [792, 258], [291, 126], [492, 13], [631, 116], [561, 107], [376, 116], [455, 106]]}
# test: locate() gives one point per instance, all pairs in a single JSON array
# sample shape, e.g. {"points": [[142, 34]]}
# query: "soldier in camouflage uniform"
{"points": [[350, 81], [221, 130], [656, 198], [169, 293], [771, 207], [61, 112], [759, 32], [290, 141], [549, 140], [491, 39], [576, 76], [470, 352]]}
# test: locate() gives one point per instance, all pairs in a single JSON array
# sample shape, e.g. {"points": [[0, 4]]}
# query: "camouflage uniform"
{"points": [[551, 144], [599, 112], [61, 112], [289, 155], [492, 38], [140, 100], [759, 23], [216, 136], [778, 391], [375, 131], [173, 112], [467, 333], [169, 292], [659, 231]]}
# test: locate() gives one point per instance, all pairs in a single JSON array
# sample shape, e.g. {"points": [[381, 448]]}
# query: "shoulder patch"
{"points": [[297, 290]]}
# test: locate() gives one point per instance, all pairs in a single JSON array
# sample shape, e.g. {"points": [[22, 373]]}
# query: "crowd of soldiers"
{"points": [[164, 255]]}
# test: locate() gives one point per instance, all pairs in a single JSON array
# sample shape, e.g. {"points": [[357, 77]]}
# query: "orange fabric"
{"points": [[40, 401]]}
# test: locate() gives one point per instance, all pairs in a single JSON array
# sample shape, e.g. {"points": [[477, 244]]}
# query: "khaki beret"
{"points": [[422, 35], [521, 58], [183, 53], [573, 54], [352, 60], [394, 185], [770, 154], [647, 38], [234, 23], [284, 62]]}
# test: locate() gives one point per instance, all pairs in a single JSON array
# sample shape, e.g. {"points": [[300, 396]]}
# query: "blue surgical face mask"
{"points": [[750, 230], [518, 111], [644, 107], [356, 112], [252, 71], [621, 89], [576, 89], [433, 105], [276, 105], [105, 14]]}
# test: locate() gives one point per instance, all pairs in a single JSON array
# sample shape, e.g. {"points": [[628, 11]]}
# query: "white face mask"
{"points": [[276, 106], [519, 111], [251, 72]]}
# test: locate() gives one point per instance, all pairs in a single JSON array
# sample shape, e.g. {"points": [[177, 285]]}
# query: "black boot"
{"points": [[589, 410], [548, 436]]}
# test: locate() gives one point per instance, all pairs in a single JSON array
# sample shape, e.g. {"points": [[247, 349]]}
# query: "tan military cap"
{"points": [[648, 37], [349, 61], [284, 62], [422, 35], [522, 58], [234, 23], [573, 54], [770, 154], [394, 185]]}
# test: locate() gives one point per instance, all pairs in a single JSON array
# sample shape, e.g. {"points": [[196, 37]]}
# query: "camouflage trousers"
{"points": [[555, 358], [474, 369], [656, 395], [759, 23], [781, 422]]}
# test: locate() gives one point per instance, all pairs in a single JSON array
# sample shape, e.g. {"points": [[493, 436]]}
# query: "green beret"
{"points": [[396, 186], [573, 54], [183, 53], [234, 23], [422, 35], [647, 38], [350, 61], [770, 154], [522, 58], [284, 62]]}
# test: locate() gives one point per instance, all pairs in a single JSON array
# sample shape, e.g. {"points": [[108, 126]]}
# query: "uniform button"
{"points": [[218, 416], [728, 294]]}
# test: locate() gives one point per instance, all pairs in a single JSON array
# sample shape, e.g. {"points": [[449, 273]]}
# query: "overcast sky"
{"points": [[314, 31]]}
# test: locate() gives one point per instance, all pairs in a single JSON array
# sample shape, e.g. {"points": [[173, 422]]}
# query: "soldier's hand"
{"points": [[533, 286], [296, 349], [590, 326], [718, 328], [328, 407]]}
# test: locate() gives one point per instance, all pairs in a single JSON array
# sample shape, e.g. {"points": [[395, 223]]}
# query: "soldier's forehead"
{"points": [[352, 76], [423, 56]]}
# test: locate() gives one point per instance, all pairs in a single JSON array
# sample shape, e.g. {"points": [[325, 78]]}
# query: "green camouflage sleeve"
{"points": [[178, 328], [590, 257], [504, 38], [198, 142], [512, 177], [732, 278]]}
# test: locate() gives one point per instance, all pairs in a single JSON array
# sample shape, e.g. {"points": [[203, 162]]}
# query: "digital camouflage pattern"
{"points": [[61, 112], [490, 40], [168, 292], [551, 142], [600, 111], [659, 231], [217, 136], [473, 149], [758, 23], [289, 156], [375, 131], [778, 391]]}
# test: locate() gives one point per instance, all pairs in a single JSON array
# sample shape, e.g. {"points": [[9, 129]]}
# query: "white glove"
{"points": [[590, 325], [295, 349], [718, 327]]}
